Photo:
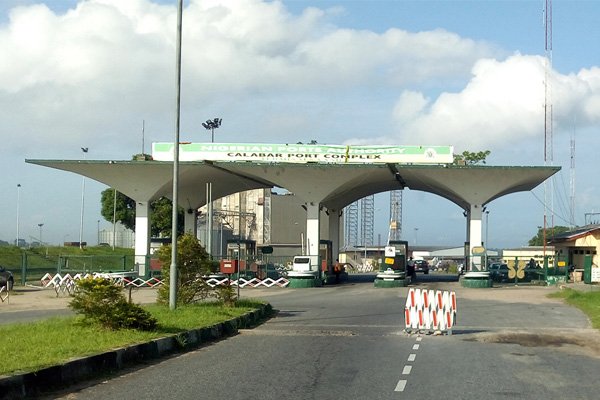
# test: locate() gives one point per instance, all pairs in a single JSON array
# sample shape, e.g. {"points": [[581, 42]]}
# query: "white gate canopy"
{"points": [[329, 185], [334, 186]]}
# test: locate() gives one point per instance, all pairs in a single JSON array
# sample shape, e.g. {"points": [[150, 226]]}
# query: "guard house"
{"points": [[580, 247]]}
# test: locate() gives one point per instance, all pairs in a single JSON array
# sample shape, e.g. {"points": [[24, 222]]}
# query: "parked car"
{"points": [[498, 272], [6, 278], [422, 266]]}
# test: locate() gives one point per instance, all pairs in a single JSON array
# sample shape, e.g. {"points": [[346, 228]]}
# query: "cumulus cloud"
{"points": [[502, 104], [97, 66]]}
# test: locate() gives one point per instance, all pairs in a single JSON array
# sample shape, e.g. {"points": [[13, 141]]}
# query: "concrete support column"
{"points": [[475, 234], [190, 222], [313, 233], [142, 236], [334, 233]]}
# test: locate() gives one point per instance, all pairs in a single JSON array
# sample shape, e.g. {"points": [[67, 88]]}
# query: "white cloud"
{"points": [[92, 68], [501, 105]]}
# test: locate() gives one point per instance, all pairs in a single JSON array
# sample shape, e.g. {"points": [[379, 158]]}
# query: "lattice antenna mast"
{"points": [[548, 128], [351, 215], [548, 131], [395, 231], [367, 211], [572, 180]]}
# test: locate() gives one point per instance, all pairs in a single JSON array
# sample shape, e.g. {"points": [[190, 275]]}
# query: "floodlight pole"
{"points": [[85, 150], [17, 243], [210, 125], [173, 267]]}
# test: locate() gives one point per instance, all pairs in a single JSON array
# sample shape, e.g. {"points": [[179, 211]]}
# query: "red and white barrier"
{"points": [[430, 311]]}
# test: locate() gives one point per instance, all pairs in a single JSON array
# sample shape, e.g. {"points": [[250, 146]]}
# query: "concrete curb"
{"points": [[57, 377]]}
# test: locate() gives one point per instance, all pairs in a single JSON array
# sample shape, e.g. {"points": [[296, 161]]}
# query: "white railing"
{"points": [[66, 284], [5, 293]]}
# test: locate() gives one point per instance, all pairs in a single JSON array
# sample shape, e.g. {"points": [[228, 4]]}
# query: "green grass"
{"points": [[588, 302], [47, 257], [36, 345], [41, 260]]}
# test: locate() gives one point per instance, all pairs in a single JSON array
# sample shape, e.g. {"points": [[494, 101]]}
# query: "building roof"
{"points": [[574, 234]]}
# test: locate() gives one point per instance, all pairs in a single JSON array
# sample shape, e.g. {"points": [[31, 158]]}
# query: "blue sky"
{"points": [[332, 71]]}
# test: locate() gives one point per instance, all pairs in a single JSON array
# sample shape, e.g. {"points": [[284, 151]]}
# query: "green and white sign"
{"points": [[301, 153]]}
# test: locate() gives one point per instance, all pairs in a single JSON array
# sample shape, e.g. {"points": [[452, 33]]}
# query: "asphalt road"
{"points": [[348, 342]]}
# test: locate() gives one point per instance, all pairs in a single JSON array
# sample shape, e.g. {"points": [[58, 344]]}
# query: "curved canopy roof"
{"points": [[332, 185]]}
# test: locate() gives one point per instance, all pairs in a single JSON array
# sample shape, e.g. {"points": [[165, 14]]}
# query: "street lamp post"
{"points": [[211, 125], [41, 241], [114, 218], [17, 243], [98, 232], [85, 150], [175, 216]]}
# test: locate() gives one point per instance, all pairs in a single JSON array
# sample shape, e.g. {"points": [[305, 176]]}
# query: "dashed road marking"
{"points": [[408, 368], [400, 386]]}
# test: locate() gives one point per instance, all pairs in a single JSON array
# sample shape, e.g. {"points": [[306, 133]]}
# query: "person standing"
{"points": [[337, 270], [410, 269]]}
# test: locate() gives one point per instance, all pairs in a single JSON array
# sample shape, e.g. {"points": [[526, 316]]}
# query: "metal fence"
{"points": [[33, 266]]}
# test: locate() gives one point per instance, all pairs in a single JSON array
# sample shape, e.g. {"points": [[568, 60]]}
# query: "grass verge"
{"points": [[588, 302], [36, 345]]}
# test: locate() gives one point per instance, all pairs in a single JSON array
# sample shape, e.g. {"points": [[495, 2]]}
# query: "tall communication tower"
{"points": [[367, 213], [395, 231], [572, 182], [351, 222], [548, 131], [548, 128]]}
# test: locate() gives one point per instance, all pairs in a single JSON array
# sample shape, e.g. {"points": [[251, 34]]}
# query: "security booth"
{"points": [[392, 272], [326, 256], [243, 251]]}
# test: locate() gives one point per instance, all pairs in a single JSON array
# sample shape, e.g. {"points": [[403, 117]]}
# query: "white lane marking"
{"points": [[400, 386], [415, 347], [419, 339], [411, 357], [406, 370]]}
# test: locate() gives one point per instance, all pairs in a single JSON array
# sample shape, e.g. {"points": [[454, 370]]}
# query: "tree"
{"points": [[162, 214], [471, 158], [192, 263], [125, 210], [161, 211], [538, 239]]}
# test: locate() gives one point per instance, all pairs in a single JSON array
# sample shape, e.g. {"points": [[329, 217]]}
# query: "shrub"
{"points": [[192, 263], [226, 294], [101, 301]]}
